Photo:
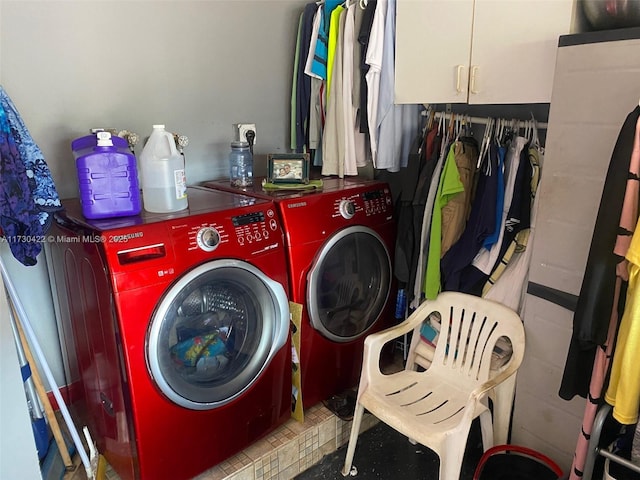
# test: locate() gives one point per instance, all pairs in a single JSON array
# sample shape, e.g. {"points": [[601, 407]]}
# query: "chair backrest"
{"points": [[470, 327]]}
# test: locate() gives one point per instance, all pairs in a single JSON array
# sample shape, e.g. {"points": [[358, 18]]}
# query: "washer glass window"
{"points": [[214, 333], [349, 284]]}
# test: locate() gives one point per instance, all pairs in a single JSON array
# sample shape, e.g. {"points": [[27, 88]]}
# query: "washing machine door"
{"points": [[348, 284], [214, 332]]}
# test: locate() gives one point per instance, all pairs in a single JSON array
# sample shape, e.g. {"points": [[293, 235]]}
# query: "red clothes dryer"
{"points": [[177, 326], [339, 242]]}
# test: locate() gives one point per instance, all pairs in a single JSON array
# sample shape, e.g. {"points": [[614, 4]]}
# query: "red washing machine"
{"points": [[178, 326], [340, 242]]}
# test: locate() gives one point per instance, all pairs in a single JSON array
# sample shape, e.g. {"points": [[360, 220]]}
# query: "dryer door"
{"points": [[348, 284], [214, 332]]}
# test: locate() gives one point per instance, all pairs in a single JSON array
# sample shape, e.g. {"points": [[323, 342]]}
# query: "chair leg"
{"points": [[502, 406], [486, 427], [451, 457], [353, 439]]}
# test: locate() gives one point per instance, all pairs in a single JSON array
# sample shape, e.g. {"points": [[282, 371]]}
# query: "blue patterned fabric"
{"points": [[28, 195]]}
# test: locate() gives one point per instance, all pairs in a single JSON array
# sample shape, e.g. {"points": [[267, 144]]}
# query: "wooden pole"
{"points": [[42, 394]]}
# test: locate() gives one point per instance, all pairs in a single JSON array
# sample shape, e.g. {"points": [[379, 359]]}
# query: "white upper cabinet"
{"points": [[478, 51]]}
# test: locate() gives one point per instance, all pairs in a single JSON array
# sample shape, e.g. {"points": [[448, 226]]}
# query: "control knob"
{"points": [[347, 209], [208, 239]]}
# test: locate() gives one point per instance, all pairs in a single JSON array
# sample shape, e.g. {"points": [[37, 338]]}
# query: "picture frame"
{"points": [[288, 168]]}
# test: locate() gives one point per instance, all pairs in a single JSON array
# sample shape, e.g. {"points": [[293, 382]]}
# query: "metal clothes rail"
{"points": [[484, 120]]}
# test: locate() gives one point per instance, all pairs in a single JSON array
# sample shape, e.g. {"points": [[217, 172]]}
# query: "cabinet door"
{"points": [[433, 45], [513, 53]]}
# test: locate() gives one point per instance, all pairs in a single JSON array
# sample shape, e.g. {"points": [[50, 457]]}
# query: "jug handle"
{"points": [[172, 144]]}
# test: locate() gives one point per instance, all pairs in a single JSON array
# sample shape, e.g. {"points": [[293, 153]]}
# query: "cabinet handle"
{"points": [[472, 87], [459, 70]]}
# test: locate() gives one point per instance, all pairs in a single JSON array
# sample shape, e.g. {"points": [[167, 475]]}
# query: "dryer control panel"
{"points": [[347, 208], [314, 217], [376, 201], [371, 202]]}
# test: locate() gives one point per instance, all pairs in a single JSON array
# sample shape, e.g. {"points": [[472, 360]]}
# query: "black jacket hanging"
{"points": [[593, 310]]}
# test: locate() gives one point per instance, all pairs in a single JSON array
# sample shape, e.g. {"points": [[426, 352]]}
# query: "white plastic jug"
{"points": [[164, 185]]}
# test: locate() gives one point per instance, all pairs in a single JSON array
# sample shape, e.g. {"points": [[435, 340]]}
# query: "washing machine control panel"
{"points": [[208, 238], [255, 227], [248, 229], [347, 209]]}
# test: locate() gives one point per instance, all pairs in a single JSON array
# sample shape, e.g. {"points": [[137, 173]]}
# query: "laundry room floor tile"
{"points": [[285, 453], [291, 449]]}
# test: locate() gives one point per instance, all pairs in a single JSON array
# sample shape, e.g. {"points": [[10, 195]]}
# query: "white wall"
{"points": [[196, 66]]}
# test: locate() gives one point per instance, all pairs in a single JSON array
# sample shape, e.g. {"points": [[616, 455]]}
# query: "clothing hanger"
{"points": [[441, 124], [469, 130], [498, 132], [535, 139], [429, 123], [486, 140], [483, 143], [447, 133], [431, 118], [458, 127], [363, 4]]}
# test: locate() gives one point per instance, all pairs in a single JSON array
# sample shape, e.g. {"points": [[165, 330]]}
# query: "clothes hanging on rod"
{"points": [[344, 86], [515, 215], [301, 92], [481, 223], [505, 284], [449, 186], [476, 204], [425, 222], [410, 206], [396, 125]]}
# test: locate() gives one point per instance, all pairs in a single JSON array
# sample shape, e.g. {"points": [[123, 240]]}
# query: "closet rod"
{"points": [[483, 120]]}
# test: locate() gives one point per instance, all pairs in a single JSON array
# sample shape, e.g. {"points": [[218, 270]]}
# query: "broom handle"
{"points": [[13, 294], [42, 393], [37, 410]]}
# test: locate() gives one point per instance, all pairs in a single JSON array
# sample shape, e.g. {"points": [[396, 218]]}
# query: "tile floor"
{"points": [[289, 450], [382, 453]]}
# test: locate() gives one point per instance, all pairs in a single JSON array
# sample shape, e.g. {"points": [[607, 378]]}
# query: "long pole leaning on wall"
{"points": [[35, 345]]}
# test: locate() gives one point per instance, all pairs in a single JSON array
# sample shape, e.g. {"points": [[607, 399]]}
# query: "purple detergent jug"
{"points": [[107, 176]]}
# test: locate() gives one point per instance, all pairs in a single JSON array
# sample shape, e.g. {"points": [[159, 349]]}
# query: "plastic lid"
{"points": [[104, 139], [159, 126], [240, 144]]}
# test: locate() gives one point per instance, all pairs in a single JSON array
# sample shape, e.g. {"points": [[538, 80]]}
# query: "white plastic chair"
{"points": [[436, 407]]}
